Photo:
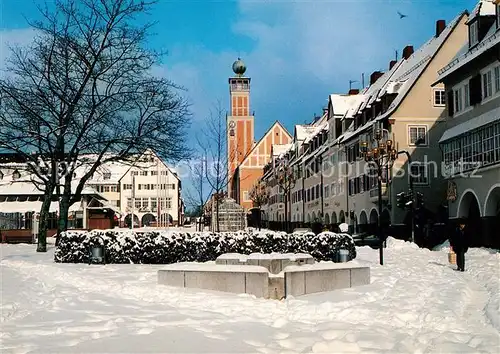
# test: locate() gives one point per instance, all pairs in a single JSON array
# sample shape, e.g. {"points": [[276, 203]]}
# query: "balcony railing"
{"points": [[374, 193]]}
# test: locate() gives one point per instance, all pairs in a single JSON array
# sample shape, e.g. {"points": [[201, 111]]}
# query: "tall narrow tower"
{"points": [[240, 124]]}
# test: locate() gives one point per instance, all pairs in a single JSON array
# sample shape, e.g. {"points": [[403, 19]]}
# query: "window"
{"points": [[327, 191], [16, 175], [473, 34], [106, 189], [135, 173], [245, 196], [419, 174], [439, 98], [145, 202], [487, 85], [154, 204], [417, 134], [113, 188], [154, 173], [497, 79], [107, 175], [458, 100], [144, 173], [127, 186], [466, 96], [498, 16], [129, 202], [137, 203]]}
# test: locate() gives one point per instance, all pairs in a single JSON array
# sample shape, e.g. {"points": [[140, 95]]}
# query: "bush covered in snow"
{"points": [[163, 247]]}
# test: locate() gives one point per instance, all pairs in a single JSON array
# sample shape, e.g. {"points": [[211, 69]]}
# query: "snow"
{"points": [[416, 303]]}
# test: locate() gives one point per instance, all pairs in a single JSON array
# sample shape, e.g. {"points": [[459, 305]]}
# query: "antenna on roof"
{"points": [[362, 80], [396, 54], [351, 82]]}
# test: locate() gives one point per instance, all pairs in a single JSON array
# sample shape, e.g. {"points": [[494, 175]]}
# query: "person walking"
{"points": [[460, 245]]}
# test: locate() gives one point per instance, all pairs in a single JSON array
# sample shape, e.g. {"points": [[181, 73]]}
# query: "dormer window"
{"points": [[473, 34], [16, 175], [107, 175]]}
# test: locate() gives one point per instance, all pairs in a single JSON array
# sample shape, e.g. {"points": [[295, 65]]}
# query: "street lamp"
{"points": [[382, 154]]}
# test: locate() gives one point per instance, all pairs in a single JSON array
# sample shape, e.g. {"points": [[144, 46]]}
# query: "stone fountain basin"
{"points": [[275, 263]]}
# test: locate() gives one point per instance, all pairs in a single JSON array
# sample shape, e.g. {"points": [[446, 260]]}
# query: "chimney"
{"points": [[375, 76], [353, 92], [391, 64], [440, 26], [408, 51]]}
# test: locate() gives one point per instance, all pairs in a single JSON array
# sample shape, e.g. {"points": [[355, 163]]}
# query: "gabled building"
{"points": [[471, 142]]}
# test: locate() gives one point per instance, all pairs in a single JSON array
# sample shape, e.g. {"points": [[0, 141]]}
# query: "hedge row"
{"points": [[164, 247]]}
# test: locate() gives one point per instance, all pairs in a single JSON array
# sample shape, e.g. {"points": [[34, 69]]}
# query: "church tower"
{"points": [[240, 123]]}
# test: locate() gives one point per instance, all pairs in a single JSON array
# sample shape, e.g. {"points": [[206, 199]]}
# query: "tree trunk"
{"points": [[44, 224], [286, 215], [259, 218], [217, 215]]}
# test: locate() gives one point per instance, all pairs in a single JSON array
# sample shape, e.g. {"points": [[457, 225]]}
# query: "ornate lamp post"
{"points": [[286, 181], [382, 155]]}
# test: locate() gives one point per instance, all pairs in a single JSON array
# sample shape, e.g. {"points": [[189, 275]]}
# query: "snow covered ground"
{"points": [[416, 303]]}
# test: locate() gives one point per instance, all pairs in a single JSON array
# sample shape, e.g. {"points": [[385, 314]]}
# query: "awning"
{"points": [[472, 124]]}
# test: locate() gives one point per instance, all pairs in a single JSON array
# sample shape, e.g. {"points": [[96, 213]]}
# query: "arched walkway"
{"points": [[148, 219], [313, 217], [334, 218], [128, 219], [492, 203], [342, 217], [327, 219], [469, 206], [363, 221], [492, 217], [165, 219], [373, 225], [469, 210]]}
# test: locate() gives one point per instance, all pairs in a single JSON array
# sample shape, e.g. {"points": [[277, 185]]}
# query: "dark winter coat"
{"points": [[459, 241]]}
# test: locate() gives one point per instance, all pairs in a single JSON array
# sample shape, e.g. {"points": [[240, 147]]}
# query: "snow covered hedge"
{"points": [[163, 247]]}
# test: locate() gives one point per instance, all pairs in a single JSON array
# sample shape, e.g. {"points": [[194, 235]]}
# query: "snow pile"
{"points": [[166, 246]]}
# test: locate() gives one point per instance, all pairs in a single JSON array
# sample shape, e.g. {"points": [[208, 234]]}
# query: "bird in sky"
{"points": [[401, 16]]}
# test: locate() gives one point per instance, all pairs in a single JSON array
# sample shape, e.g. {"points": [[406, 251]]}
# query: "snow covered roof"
{"points": [[279, 149], [400, 79], [303, 131], [466, 54], [483, 8], [471, 124], [341, 103]]}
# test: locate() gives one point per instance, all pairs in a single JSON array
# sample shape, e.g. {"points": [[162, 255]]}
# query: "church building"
{"points": [[246, 158]]}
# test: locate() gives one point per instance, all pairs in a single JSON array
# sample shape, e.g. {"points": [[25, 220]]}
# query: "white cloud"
{"points": [[13, 38]]}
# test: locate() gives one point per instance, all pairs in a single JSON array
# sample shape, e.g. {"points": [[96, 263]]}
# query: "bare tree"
{"points": [[259, 194], [200, 192], [83, 94], [213, 143]]}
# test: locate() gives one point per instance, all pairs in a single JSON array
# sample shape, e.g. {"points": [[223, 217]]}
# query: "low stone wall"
{"points": [[232, 279], [321, 277]]}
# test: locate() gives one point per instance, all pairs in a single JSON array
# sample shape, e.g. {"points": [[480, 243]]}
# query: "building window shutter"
{"points": [[475, 93], [450, 102]]}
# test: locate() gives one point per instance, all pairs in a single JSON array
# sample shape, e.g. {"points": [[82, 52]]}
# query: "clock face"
{"points": [[232, 124]]}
